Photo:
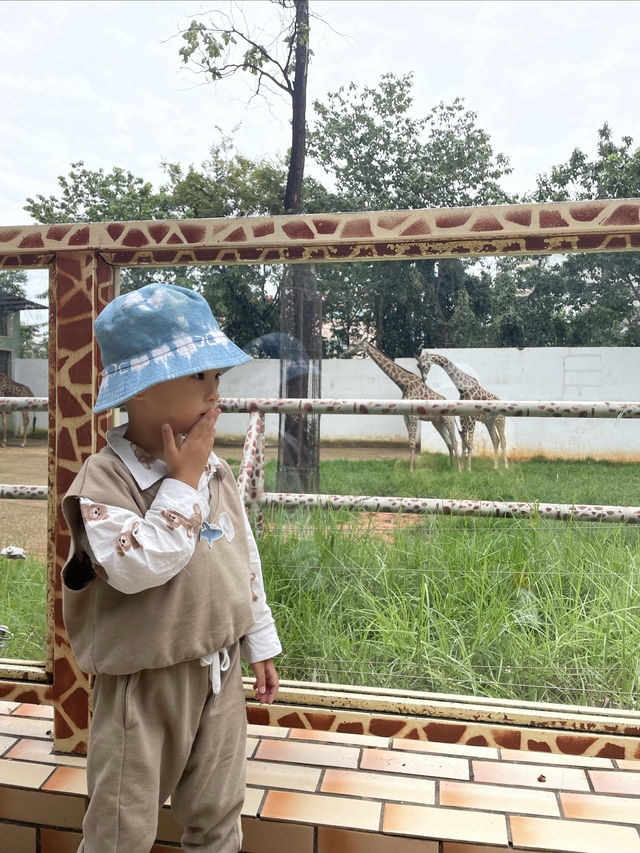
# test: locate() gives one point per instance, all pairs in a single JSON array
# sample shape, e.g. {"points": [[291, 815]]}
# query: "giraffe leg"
{"points": [[467, 428], [495, 440], [492, 429], [454, 444], [500, 425], [449, 436], [446, 428], [25, 427], [412, 429]]}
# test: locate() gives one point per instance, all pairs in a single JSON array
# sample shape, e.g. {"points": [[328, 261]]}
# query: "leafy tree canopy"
{"points": [[13, 282], [599, 292], [98, 196], [34, 341], [382, 156]]}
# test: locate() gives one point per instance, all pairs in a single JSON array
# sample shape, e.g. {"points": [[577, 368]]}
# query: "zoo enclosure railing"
{"points": [[83, 261], [251, 473], [369, 701]]}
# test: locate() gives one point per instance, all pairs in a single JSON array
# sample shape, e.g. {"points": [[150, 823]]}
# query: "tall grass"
{"points": [[521, 609], [23, 607], [543, 480]]}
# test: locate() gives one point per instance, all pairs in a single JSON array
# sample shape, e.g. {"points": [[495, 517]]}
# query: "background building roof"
{"points": [[14, 302]]}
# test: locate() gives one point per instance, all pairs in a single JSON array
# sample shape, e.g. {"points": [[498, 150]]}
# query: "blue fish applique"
{"points": [[210, 532]]}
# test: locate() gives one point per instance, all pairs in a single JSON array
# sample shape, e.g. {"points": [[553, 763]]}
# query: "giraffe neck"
{"points": [[460, 379], [397, 374]]}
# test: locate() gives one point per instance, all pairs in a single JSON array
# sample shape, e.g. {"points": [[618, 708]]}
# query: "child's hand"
{"points": [[187, 457], [266, 684]]}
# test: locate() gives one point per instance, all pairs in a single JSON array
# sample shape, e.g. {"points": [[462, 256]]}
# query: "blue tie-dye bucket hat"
{"points": [[154, 334]]}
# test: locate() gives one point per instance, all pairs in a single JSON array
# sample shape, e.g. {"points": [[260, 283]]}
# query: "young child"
{"points": [[163, 586]]}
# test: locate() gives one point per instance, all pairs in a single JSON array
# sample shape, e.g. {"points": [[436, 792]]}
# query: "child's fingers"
{"points": [[267, 683], [260, 688], [168, 442], [273, 687], [204, 428]]}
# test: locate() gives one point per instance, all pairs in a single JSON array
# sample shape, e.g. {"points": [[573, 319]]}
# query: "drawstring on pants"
{"points": [[218, 662]]}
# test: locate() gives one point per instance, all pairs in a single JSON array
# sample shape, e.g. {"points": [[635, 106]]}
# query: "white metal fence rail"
{"points": [[251, 478]]}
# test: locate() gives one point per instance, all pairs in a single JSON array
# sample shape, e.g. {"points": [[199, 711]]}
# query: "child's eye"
{"points": [[200, 376]]}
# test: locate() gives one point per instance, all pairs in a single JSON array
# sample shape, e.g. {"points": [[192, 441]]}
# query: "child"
{"points": [[163, 586]]}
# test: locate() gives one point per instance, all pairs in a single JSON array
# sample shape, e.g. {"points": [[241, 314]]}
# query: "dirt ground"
{"points": [[24, 523]]}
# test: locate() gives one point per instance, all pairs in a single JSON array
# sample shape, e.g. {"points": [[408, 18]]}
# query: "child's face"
{"points": [[182, 402]]}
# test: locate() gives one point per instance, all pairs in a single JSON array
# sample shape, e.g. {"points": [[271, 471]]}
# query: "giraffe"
{"points": [[9, 388], [413, 388], [470, 389]]}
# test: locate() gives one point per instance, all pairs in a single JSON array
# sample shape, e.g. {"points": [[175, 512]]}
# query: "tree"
{"points": [[221, 49], [34, 339], [13, 282], [96, 196], [246, 300], [88, 195], [382, 156], [600, 292]]}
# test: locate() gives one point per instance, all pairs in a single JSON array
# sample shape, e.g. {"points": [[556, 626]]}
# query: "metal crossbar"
{"points": [[419, 408]]}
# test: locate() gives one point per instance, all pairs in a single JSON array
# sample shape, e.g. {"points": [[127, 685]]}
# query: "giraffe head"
{"points": [[357, 347], [424, 364]]}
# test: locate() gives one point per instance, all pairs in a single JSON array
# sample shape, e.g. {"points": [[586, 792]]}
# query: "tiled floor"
{"points": [[324, 792]]}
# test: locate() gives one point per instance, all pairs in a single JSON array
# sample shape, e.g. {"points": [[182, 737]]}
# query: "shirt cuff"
{"points": [[261, 645], [177, 495]]}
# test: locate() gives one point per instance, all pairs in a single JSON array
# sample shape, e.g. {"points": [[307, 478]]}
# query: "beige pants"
{"points": [[158, 733]]}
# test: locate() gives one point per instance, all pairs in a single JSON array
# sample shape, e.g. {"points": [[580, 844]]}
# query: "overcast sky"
{"points": [[103, 82]]}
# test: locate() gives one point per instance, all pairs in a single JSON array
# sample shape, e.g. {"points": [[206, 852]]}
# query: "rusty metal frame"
{"points": [[83, 260]]}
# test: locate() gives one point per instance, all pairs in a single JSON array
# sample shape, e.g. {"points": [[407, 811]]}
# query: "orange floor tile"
{"points": [[328, 792]]}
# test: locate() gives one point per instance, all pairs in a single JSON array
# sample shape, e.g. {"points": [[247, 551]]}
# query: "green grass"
{"points": [[23, 607], [529, 610], [521, 609], [547, 481]]}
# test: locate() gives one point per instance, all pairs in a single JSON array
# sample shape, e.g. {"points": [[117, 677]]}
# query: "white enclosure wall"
{"points": [[32, 372], [554, 373]]}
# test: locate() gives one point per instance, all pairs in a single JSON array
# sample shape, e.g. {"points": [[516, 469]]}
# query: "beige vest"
{"points": [[203, 608]]}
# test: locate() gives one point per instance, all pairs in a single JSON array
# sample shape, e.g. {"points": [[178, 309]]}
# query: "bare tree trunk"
{"points": [[301, 309], [293, 192]]}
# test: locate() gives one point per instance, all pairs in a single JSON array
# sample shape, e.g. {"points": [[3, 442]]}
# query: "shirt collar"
{"points": [[144, 468]]}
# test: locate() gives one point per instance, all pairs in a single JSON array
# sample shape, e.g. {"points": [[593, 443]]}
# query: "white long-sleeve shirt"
{"points": [[139, 553]]}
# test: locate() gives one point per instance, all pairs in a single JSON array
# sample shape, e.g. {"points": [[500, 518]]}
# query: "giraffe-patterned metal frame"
{"points": [[83, 260]]}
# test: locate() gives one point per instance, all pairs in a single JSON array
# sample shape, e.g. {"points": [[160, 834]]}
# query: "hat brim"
{"points": [[122, 382]]}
